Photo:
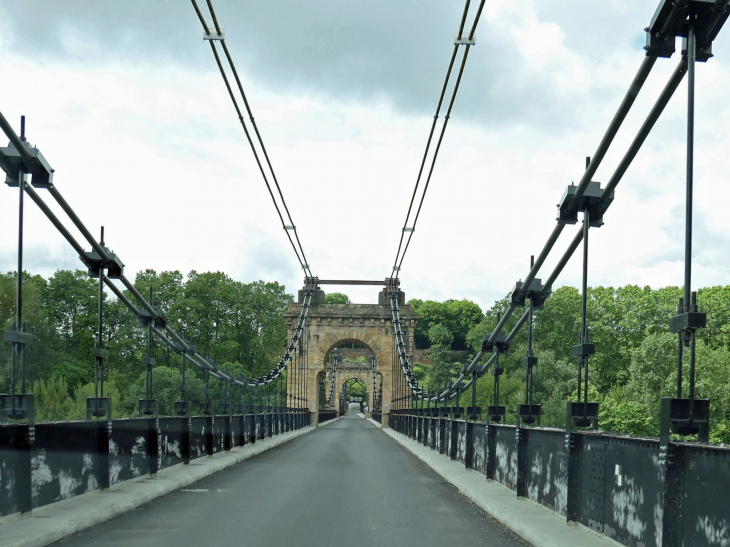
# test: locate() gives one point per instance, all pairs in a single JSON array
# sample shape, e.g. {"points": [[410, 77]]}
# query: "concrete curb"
{"points": [[536, 524], [50, 523], [376, 424]]}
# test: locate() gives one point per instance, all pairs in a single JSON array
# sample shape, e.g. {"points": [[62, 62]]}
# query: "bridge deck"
{"points": [[345, 484]]}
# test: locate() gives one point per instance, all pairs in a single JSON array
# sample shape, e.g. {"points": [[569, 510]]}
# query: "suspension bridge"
{"points": [[393, 468]]}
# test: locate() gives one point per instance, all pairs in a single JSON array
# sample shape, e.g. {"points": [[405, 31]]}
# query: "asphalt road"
{"points": [[346, 484]]}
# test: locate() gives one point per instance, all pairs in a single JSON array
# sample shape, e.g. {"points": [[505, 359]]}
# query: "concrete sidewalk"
{"points": [[50, 523], [536, 524]]}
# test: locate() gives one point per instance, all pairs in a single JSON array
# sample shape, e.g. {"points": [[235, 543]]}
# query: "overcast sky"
{"points": [[126, 103]]}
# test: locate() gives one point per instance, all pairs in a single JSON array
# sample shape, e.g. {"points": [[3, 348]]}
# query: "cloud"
{"points": [[40, 259], [529, 66], [144, 139], [262, 257], [709, 244]]}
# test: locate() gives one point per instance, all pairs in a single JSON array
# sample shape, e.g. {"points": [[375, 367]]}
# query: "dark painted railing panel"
{"points": [[171, 440], [706, 497], [236, 422], [506, 457], [479, 447], [547, 469], [128, 456], [249, 428], [198, 430], [461, 442], [619, 481], [9, 465], [55, 461], [64, 461], [219, 427], [447, 438], [259, 421], [634, 492]]}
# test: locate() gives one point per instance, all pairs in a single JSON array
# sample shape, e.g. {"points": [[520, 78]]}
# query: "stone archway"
{"points": [[347, 371], [350, 387], [330, 325]]}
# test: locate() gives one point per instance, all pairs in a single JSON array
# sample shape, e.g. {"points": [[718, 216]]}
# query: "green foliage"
{"points": [[237, 324], [620, 413], [356, 389], [165, 382], [636, 358], [440, 335], [720, 432], [458, 316], [337, 298], [51, 399], [511, 392], [419, 372], [442, 367], [77, 403]]}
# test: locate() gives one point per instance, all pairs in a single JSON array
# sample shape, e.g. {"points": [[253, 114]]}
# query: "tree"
{"points": [[72, 302], [51, 399], [458, 316], [621, 413], [442, 366], [337, 298], [465, 315], [42, 353], [653, 372]]}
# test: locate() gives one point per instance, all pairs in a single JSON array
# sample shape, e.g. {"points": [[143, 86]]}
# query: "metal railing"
{"points": [[82, 456], [619, 485]]}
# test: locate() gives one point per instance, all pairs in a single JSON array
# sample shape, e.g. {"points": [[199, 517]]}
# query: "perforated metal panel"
{"points": [[593, 485]]}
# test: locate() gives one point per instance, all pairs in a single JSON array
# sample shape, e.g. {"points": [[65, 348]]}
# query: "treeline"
{"points": [[635, 362], [239, 325], [458, 317]]}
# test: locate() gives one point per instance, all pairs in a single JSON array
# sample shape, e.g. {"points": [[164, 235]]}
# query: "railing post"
{"points": [[23, 443], [523, 437], [442, 435], [241, 429], [469, 455], [251, 428], [227, 433], [573, 445], [491, 449], [209, 423], [454, 444], [153, 427], [103, 434], [671, 461], [187, 425]]}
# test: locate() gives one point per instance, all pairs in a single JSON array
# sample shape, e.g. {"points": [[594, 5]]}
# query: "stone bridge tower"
{"points": [[330, 325]]}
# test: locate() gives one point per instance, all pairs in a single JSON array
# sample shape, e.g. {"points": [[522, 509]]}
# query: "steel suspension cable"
{"points": [[435, 157], [301, 257], [645, 129], [433, 127]]}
